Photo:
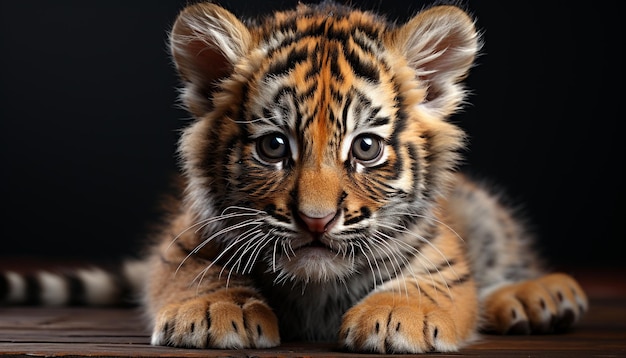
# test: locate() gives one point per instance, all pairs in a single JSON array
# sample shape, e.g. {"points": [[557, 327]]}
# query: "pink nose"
{"points": [[318, 225]]}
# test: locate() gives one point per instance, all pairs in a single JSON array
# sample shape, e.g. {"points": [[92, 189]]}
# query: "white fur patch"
{"points": [[157, 339], [54, 291], [100, 288], [487, 291], [442, 346], [314, 265], [136, 272], [264, 342], [230, 341], [17, 288]]}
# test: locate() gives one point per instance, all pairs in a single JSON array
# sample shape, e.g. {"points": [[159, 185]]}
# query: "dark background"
{"points": [[89, 120]]}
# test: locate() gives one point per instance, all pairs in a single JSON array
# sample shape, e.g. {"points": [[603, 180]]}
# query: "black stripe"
{"points": [[289, 22], [4, 287], [271, 210], [460, 280], [398, 164], [358, 36], [334, 121], [308, 120], [76, 290], [441, 289], [335, 70], [336, 95], [365, 214], [401, 115], [424, 294], [381, 182], [244, 97], [354, 220], [427, 339], [315, 65], [281, 67], [369, 42], [415, 166], [361, 68], [442, 266], [306, 92], [379, 121], [124, 288], [430, 157], [288, 92], [33, 290], [344, 113]]}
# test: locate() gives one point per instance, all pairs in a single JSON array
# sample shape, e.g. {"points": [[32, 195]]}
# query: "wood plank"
{"points": [[121, 332]]}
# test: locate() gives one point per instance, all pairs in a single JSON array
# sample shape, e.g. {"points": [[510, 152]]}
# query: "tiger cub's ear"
{"points": [[205, 42], [440, 43]]}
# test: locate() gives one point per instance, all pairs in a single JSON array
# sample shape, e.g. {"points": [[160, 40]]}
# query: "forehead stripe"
{"points": [[282, 66], [363, 34]]}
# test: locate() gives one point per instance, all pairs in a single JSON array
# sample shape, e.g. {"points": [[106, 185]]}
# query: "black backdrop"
{"points": [[88, 121]]}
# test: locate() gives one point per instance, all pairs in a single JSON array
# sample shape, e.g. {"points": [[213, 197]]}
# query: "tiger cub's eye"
{"points": [[367, 148], [273, 147]]}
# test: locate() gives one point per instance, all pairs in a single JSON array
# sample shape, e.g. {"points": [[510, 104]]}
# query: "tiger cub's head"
{"points": [[320, 142]]}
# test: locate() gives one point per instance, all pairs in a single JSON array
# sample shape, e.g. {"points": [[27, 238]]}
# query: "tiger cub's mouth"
{"points": [[317, 243]]}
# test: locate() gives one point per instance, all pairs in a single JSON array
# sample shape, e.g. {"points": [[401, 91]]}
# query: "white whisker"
{"points": [[257, 248], [205, 222], [216, 234], [380, 275], [393, 255], [415, 251], [369, 263], [274, 256], [233, 255], [430, 218], [202, 273]]}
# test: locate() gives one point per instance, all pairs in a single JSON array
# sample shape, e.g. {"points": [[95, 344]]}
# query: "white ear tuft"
{"points": [[440, 43], [206, 41]]}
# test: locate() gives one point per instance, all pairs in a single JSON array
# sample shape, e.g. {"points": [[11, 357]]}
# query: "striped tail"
{"points": [[94, 286]]}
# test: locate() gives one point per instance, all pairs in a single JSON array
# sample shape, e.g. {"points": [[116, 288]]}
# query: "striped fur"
{"points": [[321, 200], [84, 286]]}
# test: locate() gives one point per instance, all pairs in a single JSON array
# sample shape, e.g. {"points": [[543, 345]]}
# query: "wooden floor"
{"points": [[31, 331]]}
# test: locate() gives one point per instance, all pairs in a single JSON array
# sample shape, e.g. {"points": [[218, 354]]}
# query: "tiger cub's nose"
{"points": [[318, 225]]}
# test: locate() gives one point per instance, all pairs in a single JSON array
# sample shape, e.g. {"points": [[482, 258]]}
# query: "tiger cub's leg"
{"points": [[228, 318], [429, 307], [416, 321], [547, 304], [517, 296], [191, 306]]}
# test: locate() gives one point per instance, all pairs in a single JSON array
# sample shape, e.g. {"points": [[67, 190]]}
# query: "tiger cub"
{"points": [[321, 200]]}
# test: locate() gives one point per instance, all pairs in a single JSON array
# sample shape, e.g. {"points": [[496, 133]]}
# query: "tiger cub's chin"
{"points": [[314, 264]]}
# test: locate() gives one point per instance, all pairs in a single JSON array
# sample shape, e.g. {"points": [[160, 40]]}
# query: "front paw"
{"points": [[393, 323], [551, 303], [217, 320]]}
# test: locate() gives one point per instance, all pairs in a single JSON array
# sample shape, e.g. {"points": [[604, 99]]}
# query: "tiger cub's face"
{"points": [[320, 136]]}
